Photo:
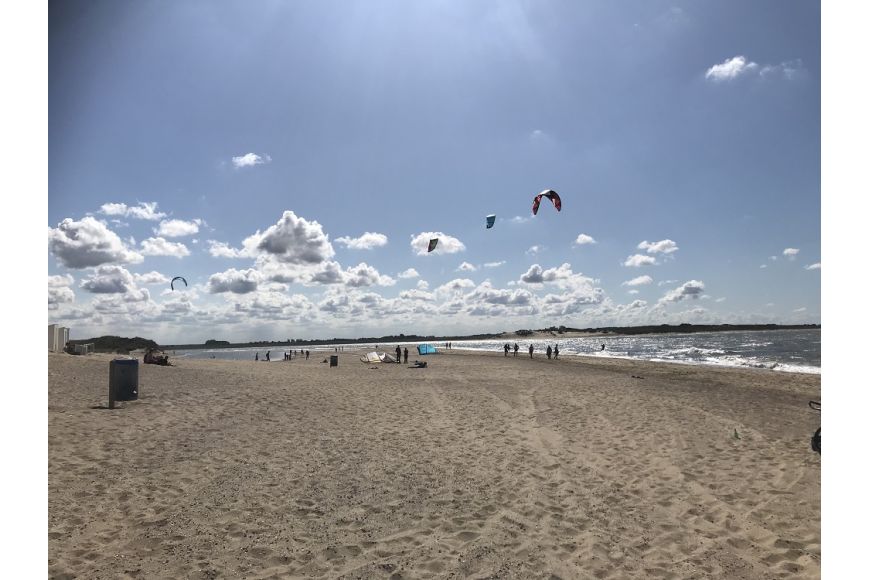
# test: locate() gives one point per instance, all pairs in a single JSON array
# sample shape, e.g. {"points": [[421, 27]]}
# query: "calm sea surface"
{"points": [[782, 350]]}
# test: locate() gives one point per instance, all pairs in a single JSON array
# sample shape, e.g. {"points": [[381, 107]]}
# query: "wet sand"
{"points": [[477, 466]]}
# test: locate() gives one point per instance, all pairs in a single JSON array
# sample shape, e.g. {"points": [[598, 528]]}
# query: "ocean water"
{"points": [[780, 350]]}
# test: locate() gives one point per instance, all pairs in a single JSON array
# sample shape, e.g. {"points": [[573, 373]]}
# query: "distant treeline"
{"points": [[396, 339], [119, 344]]}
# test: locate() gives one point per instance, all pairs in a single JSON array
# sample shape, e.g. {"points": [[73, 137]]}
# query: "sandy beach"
{"points": [[478, 466]]}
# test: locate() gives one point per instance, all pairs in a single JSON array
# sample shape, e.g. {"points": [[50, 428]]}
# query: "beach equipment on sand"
{"points": [[426, 349], [549, 194], [432, 243], [490, 221], [376, 357], [123, 380], [172, 282]]}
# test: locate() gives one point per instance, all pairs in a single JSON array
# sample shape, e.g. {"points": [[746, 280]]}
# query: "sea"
{"points": [[796, 351]]}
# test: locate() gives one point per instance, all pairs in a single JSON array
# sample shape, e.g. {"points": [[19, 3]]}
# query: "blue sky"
{"points": [[284, 157]]}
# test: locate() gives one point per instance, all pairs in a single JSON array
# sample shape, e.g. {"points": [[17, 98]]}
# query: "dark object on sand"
{"points": [[333, 360], [156, 357], [123, 380], [816, 441], [419, 365]]}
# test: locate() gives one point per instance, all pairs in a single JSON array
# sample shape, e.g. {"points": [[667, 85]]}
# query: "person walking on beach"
{"points": [[531, 350], [256, 356], [307, 352], [516, 348], [267, 355], [399, 354], [406, 355], [507, 347], [549, 351], [556, 352]]}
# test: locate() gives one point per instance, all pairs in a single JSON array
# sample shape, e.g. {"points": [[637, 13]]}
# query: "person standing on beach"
{"points": [[307, 352], [406, 355], [399, 354], [556, 352], [549, 351], [256, 356], [267, 355], [531, 350], [506, 348]]}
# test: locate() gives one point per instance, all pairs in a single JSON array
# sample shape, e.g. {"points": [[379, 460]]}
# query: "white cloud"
{"points": [[453, 287], [535, 250], [223, 250], [367, 241], [59, 291], [422, 284], [494, 264], [364, 275], [583, 239], [816, 266], [519, 219], [235, 281], [634, 292], [691, 289], [109, 279], [151, 278], [144, 211], [788, 70], [177, 228], [250, 160], [446, 244], [409, 273], [537, 275], [666, 282], [639, 281], [660, 247], [802, 309], [721, 299], [162, 247], [466, 267], [730, 69], [88, 243], [60, 281], [292, 240], [638, 260], [790, 253], [763, 266]]}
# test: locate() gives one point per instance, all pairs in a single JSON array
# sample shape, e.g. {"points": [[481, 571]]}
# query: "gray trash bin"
{"points": [[124, 379], [333, 360]]}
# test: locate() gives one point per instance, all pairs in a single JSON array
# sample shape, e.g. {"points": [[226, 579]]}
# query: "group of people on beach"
{"points": [[287, 355], [399, 354], [551, 352]]}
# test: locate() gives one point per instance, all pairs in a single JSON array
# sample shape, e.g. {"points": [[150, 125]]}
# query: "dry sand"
{"points": [[477, 466]]}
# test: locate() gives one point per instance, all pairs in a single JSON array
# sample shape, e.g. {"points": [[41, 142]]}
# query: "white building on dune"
{"points": [[58, 336]]}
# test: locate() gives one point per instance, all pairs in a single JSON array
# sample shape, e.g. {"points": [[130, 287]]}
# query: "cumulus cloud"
{"points": [[144, 211], [790, 253], [816, 266], [364, 275], [292, 240], [446, 244], [422, 284], [453, 287], [151, 278], [177, 228], [730, 69], [88, 243], [494, 264], [109, 279], [788, 70], [691, 289], [235, 281], [537, 275], [639, 281], [535, 250], [584, 239], [409, 273], [466, 267], [162, 247], [59, 291], [223, 250], [634, 291], [367, 241], [638, 260], [250, 160], [660, 247]]}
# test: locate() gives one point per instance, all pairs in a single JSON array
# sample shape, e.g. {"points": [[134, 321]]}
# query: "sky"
{"points": [[291, 160]]}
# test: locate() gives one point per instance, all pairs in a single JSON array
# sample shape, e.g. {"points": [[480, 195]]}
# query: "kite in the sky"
{"points": [[551, 195], [172, 283], [490, 221], [432, 243]]}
